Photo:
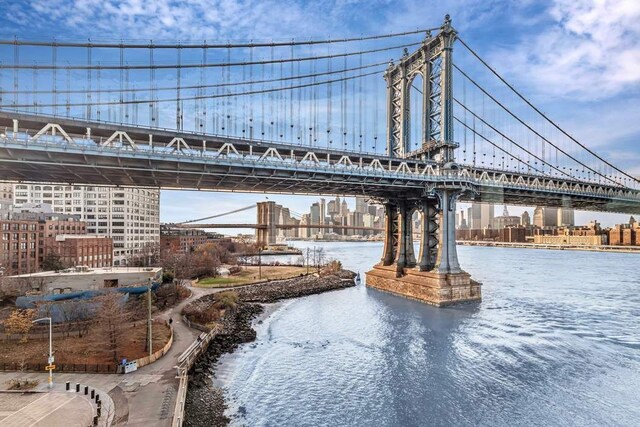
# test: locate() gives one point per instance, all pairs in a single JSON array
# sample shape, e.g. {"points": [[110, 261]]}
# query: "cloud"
{"points": [[590, 51], [190, 19]]}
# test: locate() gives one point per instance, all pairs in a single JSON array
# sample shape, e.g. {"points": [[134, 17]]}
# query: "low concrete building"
{"points": [[82, 278]]}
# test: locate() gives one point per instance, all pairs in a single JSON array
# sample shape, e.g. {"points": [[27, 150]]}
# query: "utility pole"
{"points": [[149, 331], [50, 365]]}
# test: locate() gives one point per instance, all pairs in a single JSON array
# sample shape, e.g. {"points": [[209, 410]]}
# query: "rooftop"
{"points": [[84, 270]]}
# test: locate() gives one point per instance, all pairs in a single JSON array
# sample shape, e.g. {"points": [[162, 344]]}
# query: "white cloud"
{"points": [[591, 50], [174, 19]]}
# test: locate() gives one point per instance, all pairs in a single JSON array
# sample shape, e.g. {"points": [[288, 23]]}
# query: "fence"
{"points": [[185, 362], [96, 368], [158, 354], [99, 368]]}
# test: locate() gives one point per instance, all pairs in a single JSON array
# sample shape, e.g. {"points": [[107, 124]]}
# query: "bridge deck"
{"points": [[107, 154]]}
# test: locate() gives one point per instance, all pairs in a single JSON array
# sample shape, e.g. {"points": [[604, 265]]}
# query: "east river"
{"points": [[555, 341]]}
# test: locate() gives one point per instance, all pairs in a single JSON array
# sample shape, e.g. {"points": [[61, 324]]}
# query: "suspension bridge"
{"points": [[419, 131], [271, 221]]}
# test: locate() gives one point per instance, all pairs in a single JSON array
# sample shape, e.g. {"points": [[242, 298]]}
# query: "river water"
{"points": [[555, 341]]}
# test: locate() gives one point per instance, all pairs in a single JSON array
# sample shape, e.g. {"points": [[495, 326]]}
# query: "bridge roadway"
{"points": [[281, 226], [56, 149]]}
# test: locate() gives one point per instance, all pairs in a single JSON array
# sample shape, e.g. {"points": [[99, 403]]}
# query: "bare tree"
{"points": [[147, 256], [111, 319], [319, 258]]}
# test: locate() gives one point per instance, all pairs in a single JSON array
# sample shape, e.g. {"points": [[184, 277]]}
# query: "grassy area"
{"points": [[84, 349], [250, 274]]}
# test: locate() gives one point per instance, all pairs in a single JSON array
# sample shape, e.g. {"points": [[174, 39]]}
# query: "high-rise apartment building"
{"points": [[130, 216]]}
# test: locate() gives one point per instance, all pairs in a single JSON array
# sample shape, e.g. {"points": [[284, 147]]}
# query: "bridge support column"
{"points": [[437, 279], [390, 229], [429, 241]]}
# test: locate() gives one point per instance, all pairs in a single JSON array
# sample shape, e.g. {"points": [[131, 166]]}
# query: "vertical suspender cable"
{"points": [[329, 99], [290, 121], [343, 94], [271, 97], [360, 107], [54, 61], [89, 83], [16, 62], [68, 97], [252, 97], [179, 111], [262, 123], [121, 94], [35, 90]]}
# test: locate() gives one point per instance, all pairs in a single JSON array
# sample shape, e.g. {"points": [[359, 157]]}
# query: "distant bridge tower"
{"points": [[435, 275], [266, 232]]}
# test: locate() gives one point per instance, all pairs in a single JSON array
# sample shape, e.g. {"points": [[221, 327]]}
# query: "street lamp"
{"points": [[50, 360]]}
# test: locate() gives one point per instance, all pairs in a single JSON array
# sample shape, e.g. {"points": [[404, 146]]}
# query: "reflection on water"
{"points": [[556, 341]]}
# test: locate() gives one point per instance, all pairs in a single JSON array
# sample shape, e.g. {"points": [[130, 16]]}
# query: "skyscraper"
{"points": [[361, 205], [323, 212], [566, 217], [538, 216], [480, 216], [550, 217]]}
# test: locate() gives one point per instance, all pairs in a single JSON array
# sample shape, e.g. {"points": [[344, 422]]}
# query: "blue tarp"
{"points": [[30, 301]]}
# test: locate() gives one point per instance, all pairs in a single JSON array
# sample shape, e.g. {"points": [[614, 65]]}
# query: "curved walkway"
{"points": [[141, 398]]}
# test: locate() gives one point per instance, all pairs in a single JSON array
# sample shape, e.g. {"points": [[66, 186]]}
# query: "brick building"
{"points": [[28, 237], [74, 250], [21, 245], [181, 240]]}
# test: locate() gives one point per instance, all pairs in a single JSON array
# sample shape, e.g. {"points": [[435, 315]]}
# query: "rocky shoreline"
{"points": [[205, 405]]}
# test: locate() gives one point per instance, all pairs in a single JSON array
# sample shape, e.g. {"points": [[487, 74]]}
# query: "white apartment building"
{"points": [[130, 216]]}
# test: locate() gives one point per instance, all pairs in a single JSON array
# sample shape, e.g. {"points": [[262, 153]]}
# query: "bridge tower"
{"points": [[435, 275], [266, 232]]}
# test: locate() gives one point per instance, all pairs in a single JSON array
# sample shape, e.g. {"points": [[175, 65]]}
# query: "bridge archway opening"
{"points": [[416, 112]]}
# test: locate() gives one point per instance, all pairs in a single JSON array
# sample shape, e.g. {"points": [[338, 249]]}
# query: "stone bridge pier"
{"points": [[435, 276]]}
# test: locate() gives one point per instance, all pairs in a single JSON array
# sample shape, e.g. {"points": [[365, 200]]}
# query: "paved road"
{"points": [[142, 398]]}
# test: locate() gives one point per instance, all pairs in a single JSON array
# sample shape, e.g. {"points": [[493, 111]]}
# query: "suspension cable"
{"points": [[554, 124], [205, 45], [493, 128], [529, 127], [208, 96], [246, 208], [499, 148], [210, 65]]}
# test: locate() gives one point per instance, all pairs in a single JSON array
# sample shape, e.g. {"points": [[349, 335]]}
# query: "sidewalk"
{"points": [[142, 398]]}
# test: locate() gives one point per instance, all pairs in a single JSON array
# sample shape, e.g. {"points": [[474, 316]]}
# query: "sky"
{"points": [[578, 60]]}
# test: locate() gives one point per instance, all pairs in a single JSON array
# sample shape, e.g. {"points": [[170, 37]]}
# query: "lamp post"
{"points": [[50, 360], [259, 263]]}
